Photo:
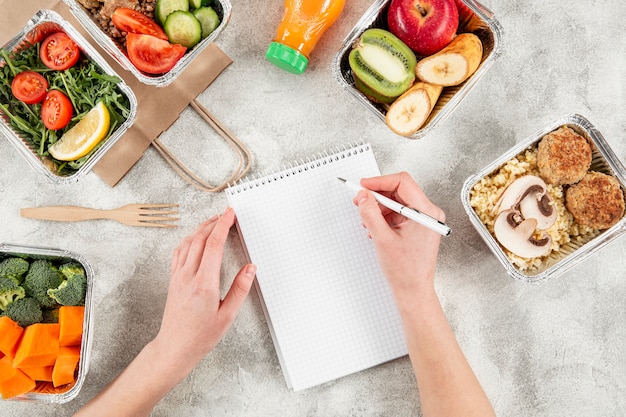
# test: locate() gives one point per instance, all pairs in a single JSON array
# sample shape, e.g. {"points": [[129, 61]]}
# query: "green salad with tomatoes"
{"points": [[47, 87]]}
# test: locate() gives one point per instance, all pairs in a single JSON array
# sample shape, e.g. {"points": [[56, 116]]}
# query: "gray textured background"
{"points": [[553, 349]]}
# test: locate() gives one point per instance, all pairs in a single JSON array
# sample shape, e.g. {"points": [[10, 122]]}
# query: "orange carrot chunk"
{"points": [[17, 384], [65, 365], [39, 346], [71, 325], [6, 368], [10, 333], [41, 373]]}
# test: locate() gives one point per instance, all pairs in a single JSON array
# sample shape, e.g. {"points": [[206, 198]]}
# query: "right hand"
{"points": [[406, 250]]}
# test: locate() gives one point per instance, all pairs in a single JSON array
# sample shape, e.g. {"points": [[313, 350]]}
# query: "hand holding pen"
{"points": [[408, 212], [406, 250]]}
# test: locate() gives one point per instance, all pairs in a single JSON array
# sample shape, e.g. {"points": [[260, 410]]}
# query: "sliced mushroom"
{"points": [[529, 195], [515, 233], [539, 207]]}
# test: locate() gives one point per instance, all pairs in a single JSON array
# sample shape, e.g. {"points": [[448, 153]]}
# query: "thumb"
{"points": [[238, 291], [371, 215]]}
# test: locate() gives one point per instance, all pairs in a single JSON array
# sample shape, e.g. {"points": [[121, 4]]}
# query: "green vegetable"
{"points": [[208, 18], [71, 292], [165, 7], [42, 276], [70, 269], [183, 28], [14, 268], [9, 292], [84, 83], [25, 311]]}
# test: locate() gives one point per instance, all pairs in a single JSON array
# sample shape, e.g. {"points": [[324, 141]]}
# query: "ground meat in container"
{"points": [[101, 11], [596, 201], [563, 157]]}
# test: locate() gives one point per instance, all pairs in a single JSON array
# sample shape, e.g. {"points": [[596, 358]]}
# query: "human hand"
{"points": [[195, 318], [406, 250]]}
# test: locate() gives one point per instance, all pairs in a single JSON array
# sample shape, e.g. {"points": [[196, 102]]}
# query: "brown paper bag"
{"points": [[151, 120]]}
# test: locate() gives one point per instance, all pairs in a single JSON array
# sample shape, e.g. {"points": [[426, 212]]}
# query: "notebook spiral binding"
{"points": [[303, 165]]}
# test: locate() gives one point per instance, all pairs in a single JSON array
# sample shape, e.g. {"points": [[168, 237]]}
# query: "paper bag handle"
{"points": [[242, 151]]}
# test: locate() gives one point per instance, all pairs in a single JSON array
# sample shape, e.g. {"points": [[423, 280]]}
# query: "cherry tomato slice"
{"points": [[29, 87], [131, 21], [56, 110], [153, 55], [59, 52]]}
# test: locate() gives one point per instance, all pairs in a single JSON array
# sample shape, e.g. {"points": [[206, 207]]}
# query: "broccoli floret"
{"points": [[71, 268], [25, 311], [70, 292], [42, 275], [9, 292], [14, 268]]}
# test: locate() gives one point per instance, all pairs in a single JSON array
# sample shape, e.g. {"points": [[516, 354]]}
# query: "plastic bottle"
{"points": [[303, 24]]}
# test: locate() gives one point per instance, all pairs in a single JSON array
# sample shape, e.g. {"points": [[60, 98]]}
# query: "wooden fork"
{"points": [[149, 215]]}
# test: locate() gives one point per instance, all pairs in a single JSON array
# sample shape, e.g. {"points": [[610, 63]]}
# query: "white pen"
{"points": [[408, 212]]}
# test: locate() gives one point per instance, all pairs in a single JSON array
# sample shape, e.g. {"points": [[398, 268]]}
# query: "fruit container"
{"points": [[118, 52], [482, 23], [44, 392], [579, 247], [46, 22]]}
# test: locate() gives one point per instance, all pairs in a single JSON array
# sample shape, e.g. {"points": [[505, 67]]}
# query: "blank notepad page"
{"points": [[329, 308]]}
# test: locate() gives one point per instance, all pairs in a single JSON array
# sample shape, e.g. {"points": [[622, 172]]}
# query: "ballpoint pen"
{"points": [[408, 212]]}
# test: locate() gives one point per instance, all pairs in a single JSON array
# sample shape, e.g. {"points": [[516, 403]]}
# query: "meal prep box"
{"points": [[117, 51], [48, 21], [483, 24], [43, 393], [604, 160]]}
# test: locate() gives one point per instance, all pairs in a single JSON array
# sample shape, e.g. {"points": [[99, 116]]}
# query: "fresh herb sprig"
{"points": [[85, 84]]}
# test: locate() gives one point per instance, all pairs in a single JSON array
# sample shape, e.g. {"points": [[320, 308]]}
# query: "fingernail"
{"points": [[361, 197], [250, 270]]}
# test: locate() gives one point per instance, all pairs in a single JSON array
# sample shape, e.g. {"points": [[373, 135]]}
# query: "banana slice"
{"points": [[409, 111], [453, 64]]}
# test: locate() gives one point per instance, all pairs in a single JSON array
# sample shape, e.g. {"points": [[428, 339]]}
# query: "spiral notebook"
{"points": [[329, 308]]}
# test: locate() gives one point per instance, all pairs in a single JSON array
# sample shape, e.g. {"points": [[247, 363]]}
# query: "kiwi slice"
{"points": [[371, 94], [383, 64]]}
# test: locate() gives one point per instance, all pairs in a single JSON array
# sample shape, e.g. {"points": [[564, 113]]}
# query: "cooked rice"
{"points": [[485, 194]]}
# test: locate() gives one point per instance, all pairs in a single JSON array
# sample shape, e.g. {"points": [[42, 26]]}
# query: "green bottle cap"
{"points": [[286, 58]]}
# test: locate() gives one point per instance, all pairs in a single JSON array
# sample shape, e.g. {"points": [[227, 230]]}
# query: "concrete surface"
{"points": [[553, 349]]}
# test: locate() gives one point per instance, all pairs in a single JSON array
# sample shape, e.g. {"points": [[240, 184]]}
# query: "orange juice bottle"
{"points": [[303, 24]]}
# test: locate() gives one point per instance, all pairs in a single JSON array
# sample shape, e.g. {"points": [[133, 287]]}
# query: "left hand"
{"points": [[195, 318]]}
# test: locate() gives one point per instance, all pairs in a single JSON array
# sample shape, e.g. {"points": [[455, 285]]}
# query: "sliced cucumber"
{"points": [[195, 4], [183, 28], [165, 7], [208, 18]]}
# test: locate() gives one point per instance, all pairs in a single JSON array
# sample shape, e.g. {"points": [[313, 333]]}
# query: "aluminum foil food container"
{"points": [[483, 24], [48, 21], [118, 52], [603, 160], [43, 393]]}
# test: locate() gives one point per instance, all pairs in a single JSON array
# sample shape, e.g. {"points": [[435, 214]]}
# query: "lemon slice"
{"points": [[84, 136]]}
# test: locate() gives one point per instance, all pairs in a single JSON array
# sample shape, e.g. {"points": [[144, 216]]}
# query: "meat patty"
{"points": [[597, 201], [563, 157]]}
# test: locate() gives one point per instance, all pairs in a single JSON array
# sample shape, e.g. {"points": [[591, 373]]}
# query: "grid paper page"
{"points": [[328, 305]]}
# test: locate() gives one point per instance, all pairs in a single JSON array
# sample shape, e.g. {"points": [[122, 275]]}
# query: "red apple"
{"points": [[465, 13], [426, 26]]}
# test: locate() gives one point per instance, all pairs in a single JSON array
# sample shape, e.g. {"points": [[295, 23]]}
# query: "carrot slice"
{"points": [[41, 373], [10, 333], [71, 325], [39, 346], [16, 383], [65, 365]]}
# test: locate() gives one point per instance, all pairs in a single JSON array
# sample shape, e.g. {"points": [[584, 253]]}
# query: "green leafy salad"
{"points": [[84, 84]]}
